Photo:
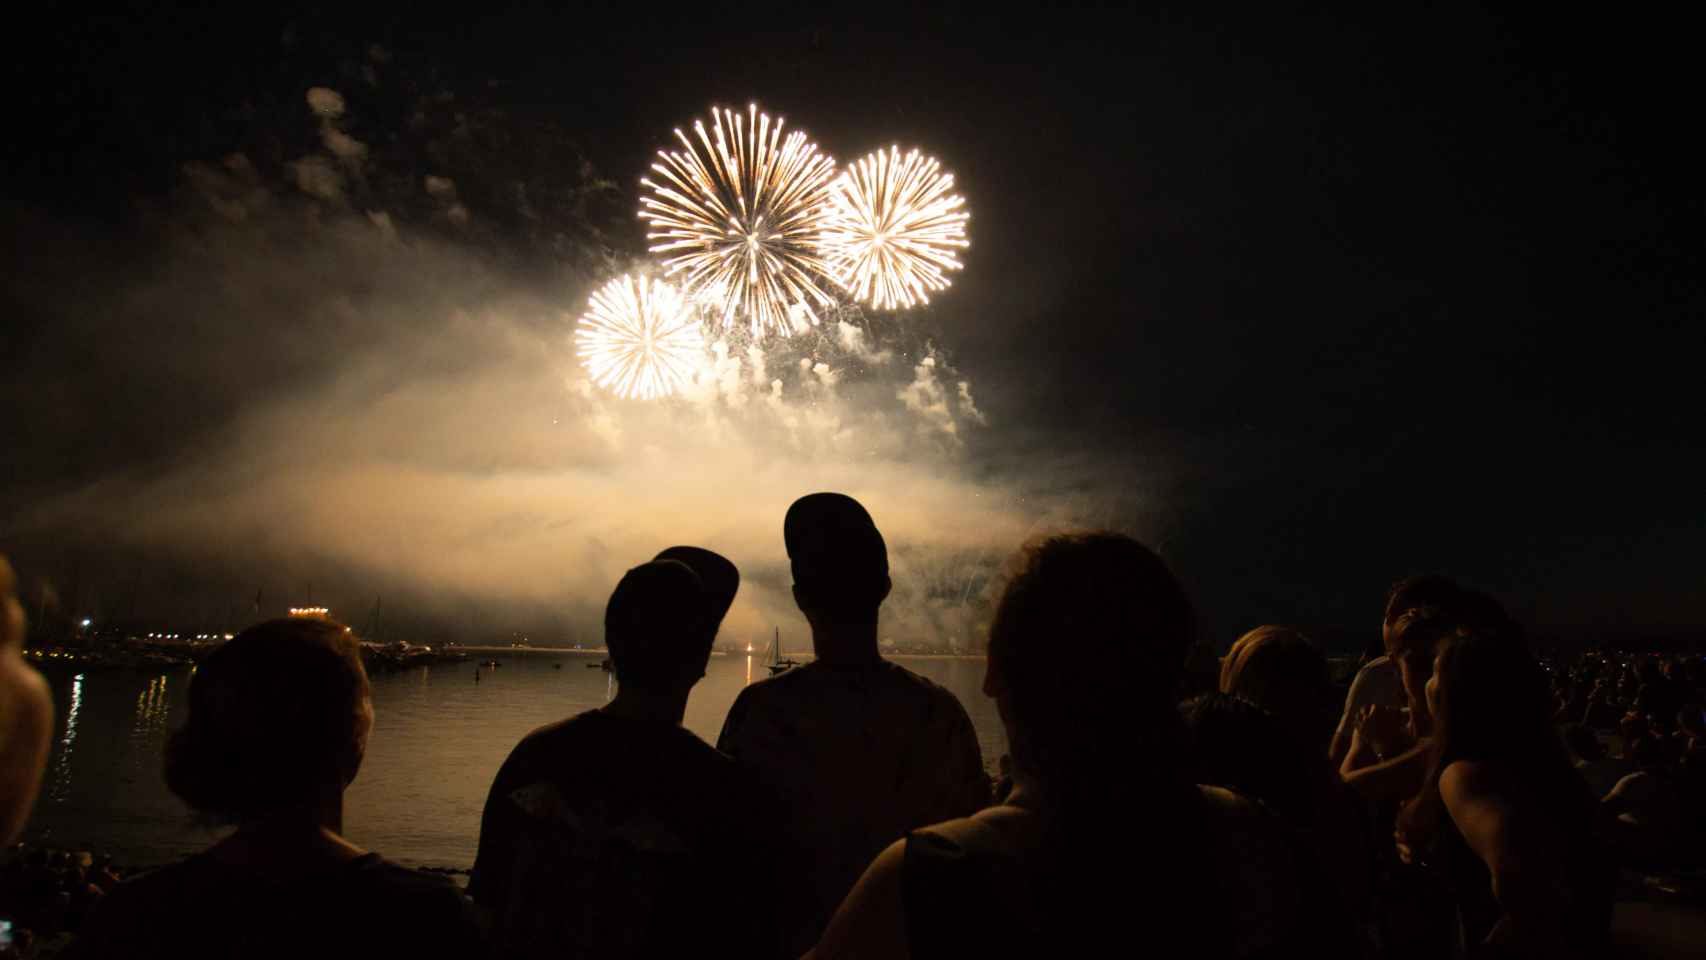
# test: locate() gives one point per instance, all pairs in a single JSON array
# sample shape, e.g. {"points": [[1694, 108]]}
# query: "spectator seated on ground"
{"points": [[278, 723], [1105, 840], [859, 750], [1652, 829], [1600, 770], [613, 832]]}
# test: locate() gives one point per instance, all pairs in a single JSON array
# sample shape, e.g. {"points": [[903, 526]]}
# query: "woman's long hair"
{"points": [[1493, 705]]}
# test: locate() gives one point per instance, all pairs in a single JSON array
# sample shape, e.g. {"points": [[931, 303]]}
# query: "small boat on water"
{"points": [[779, 664], [490, 663]]}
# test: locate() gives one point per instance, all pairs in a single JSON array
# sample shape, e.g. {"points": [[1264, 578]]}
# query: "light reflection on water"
{"points": [[67, 745], [437, 742]]}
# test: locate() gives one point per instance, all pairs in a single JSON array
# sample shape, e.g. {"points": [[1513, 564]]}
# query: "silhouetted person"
{"points": [[1600, 770], [1387, 761], [26, 715], [1503, 816], [617, 833], [1284, 673], [1105, 847], [1377, 682], [278, 722], [859, 749]]}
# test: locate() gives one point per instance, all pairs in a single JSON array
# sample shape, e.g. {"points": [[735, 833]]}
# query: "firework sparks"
{"points": [[738, 214], [895, 229], [639, 338]]}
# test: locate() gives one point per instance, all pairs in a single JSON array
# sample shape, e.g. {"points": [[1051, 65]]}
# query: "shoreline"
{"points": [[603, 652]]}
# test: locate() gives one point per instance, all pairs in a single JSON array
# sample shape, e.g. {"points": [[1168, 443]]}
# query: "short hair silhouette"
{"points": [[837, 556], [1428, 589], [654, 626], [1090, 637], [276, 715], [719, 577], [1418, 632]]}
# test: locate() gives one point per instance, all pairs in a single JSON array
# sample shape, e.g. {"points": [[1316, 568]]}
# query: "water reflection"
{"points": [[151, 710], [438, 743], [67, 743]]}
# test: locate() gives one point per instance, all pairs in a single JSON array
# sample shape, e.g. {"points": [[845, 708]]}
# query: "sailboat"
{"points": [[777, 663]]}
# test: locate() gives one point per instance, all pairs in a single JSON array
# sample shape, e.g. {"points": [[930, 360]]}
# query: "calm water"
{"points": [[437, 742]]}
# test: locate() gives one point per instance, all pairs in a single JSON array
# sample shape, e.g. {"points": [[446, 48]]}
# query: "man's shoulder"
{"points": [[160, 883], [1380, 664], [1376, 678], [549, 743], [805, 682], [374, 872]]}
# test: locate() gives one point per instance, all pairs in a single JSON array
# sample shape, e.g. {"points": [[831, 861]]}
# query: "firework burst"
{"points": [[639, 338], [894, 230], [738, 213]]}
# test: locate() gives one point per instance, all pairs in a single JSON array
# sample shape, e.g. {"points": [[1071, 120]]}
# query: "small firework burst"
{"points": [[639, 338], [895, 229]]}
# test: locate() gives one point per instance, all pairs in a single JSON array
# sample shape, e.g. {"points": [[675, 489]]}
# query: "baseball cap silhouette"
{"points": [[719, 577], [836, 553]]}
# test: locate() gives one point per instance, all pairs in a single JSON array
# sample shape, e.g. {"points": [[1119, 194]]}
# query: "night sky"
{"points": [[1309, 304]]}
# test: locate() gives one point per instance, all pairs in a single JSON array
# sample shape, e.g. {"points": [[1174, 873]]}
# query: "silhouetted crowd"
{"points": [[1462, 798]]}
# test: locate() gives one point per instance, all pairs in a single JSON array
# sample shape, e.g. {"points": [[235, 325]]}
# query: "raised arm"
{"points": [[1397, 778]]}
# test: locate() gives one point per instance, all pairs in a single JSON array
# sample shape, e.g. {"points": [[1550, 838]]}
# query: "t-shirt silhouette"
{"points": [[858, 756], [616, 837], [205, 908]]}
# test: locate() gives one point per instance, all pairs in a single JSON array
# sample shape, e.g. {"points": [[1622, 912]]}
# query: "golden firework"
{"points": [[895, 229], [639, 338], [739, 212]]}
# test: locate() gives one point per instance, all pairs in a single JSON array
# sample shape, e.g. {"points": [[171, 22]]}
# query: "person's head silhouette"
{"points": [[278, 721], [659, 625], [719, 577], [1086, 658], [838, 558]]}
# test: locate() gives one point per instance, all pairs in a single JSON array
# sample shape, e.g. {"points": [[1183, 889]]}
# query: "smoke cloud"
{"points": [[381, 409]]}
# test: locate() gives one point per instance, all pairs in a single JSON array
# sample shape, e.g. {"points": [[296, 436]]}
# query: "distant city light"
{"points": [[321, 612], [86, 621]]}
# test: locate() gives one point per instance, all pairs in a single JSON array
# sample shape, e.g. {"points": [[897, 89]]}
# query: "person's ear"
{"points": [[357, 747], [803, 600]]}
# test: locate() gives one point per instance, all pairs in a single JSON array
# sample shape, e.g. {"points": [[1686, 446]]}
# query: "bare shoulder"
{"points": [[871, 921], [1467, 780], [25, 693]]}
